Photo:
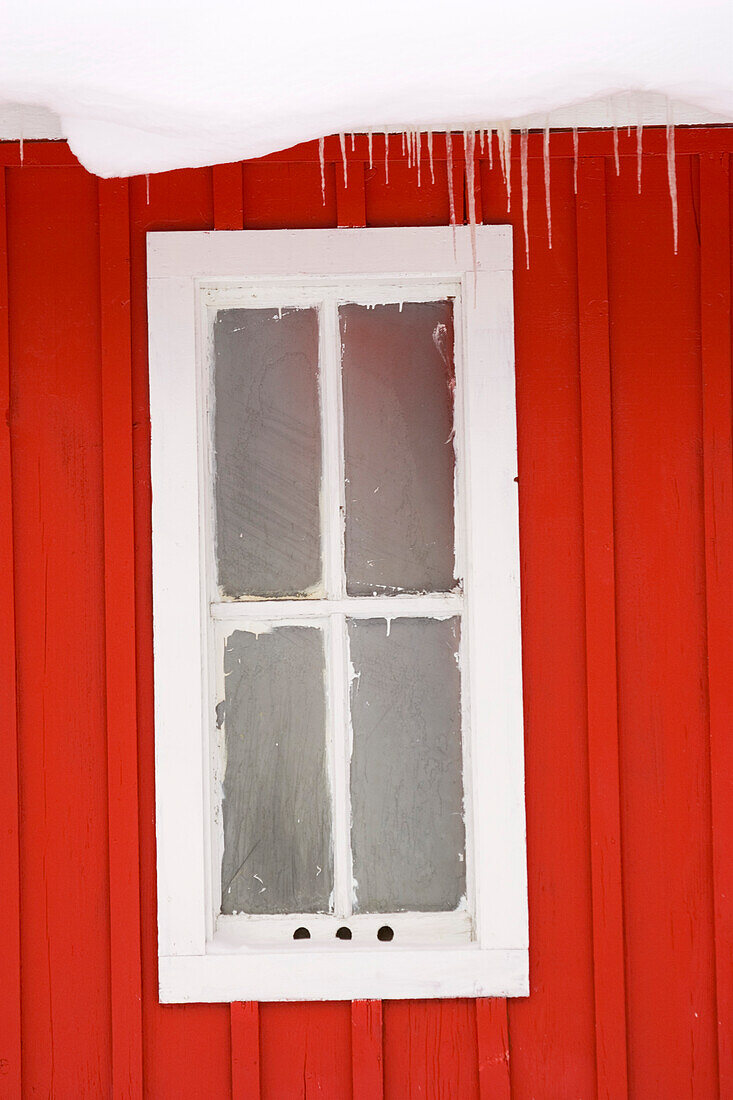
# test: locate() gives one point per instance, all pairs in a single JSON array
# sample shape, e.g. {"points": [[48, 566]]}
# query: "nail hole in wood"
{"points": [[385, 933], [343, 933], [301, 934]]}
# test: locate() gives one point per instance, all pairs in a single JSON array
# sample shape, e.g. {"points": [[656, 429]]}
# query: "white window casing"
{"points": [[483, 949]]}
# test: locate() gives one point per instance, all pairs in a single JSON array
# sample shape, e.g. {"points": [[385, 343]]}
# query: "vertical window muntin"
{"points": [[329, 612]]}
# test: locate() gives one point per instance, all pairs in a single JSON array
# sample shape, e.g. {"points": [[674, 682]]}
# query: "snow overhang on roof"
{"points": [[142, 88]]}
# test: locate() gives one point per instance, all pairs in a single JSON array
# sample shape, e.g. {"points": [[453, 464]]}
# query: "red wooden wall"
{"points": [[624, 414]]}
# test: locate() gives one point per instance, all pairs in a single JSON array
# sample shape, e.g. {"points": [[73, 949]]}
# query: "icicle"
{"points": [[370, 143], [615, 137], [404, 143], [469, 152], [523, 137], [418, 153], [322, 159], [386, 156], [482, 139], [504, 135], [21, 149], [546, 162], [490, 143], [147, 190], [430, 157], [500, 145], [672, 174], [639, 130], [575, 159], [353, 142], [451, 195], [342, 140]]}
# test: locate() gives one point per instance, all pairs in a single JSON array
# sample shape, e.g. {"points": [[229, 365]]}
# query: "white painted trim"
{"points": [[233, 933], [323, 266], [423, 253], [433, 605], [177, 627], [344, 973]]}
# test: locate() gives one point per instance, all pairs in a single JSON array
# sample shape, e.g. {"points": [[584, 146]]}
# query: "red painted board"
{"points": [[10, 1077], [228, 196], [717, 455], [600, 631], [367, 1059], [552, 1032], [245, 1024], [492, 1036], [58, 536], [659, 543], [120, 657]]}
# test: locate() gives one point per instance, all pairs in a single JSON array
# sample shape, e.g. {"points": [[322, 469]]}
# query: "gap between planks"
{"points": [[600, 631], [10, 1033], [717, 457], [120, 642]]}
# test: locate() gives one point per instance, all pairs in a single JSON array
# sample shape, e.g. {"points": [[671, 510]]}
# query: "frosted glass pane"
{"points": [[277, 811], [268, 452], [408, 834], [398, 379]]}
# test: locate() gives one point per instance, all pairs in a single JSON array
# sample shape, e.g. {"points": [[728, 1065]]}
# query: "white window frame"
{"points": [[203, 957]]}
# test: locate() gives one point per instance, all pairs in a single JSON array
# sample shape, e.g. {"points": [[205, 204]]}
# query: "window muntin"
{"points": [[382, 361]]}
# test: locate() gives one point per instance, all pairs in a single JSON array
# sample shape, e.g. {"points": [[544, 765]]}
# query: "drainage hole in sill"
{"points": [[343, 933], [385, 933], [301, 934]]}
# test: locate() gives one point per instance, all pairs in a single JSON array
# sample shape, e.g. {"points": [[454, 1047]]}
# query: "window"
{"points": [[339, 767]]}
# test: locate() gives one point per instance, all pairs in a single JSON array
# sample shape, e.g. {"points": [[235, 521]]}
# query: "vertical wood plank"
{"points": [[350, 194], [120, 653], [245, 1025], [366, 1050], [228, 196], [10, 1068], [492, 1032], [717, 418], [600, 626]]}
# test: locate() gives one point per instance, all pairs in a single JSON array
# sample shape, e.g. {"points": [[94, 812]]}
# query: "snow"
{"points": [[143, 88]]}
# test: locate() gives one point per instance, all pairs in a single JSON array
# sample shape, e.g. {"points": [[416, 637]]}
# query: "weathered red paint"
{"points": [[624, 419]]}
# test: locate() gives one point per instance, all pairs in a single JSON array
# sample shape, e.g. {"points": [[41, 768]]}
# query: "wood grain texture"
{"points": [[53, 265], [600, 631], [492, 1038], [10, 1068], [668, 390], [659, 544], [245, 1024], [717, 421], [350, 194], [120, 657], [367, 1069], [228, 196], [552, 1032]]}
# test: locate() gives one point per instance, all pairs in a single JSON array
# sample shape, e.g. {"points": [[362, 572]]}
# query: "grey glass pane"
{"points": [[277, 810], [268, 451], [398, 380], [408, 833]]}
